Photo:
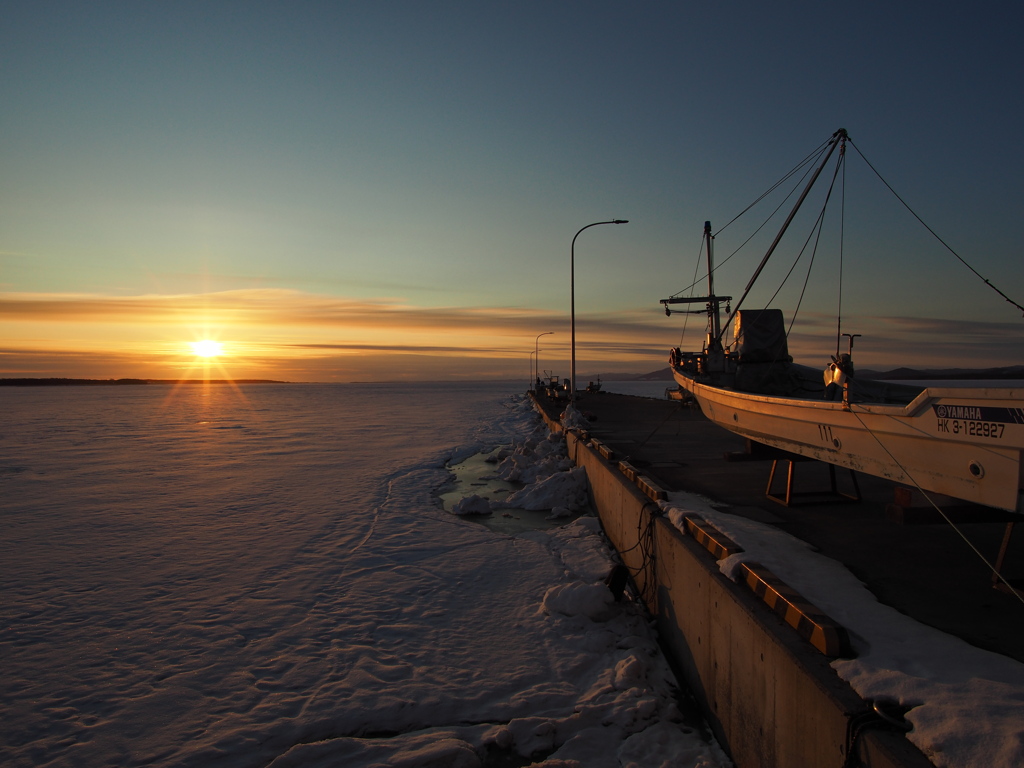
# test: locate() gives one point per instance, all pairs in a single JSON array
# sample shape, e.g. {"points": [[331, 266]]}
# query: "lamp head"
{"points": [[620, 221]]}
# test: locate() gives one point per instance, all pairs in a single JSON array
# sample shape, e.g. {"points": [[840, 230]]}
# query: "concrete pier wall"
{"points": [[771, 698]]}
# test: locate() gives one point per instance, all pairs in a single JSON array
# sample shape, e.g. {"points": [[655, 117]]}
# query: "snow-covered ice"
{"points": [[266, 577], [966, 704]]}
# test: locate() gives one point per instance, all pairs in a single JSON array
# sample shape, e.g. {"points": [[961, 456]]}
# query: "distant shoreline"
{"points": [[1011, 372], [57, 382]]}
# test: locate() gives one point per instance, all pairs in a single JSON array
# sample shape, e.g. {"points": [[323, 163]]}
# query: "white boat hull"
{"points": [[965, 443]]}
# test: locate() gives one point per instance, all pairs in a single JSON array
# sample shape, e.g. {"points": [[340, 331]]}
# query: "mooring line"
{"points": [[938, 509]]}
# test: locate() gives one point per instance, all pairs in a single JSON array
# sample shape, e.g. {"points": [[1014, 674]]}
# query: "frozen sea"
{"points": [[264, 576]]}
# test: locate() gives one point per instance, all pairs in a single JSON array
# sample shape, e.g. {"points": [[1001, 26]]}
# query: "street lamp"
{"points": [[532, 386], [572, 311], [536, 347]]}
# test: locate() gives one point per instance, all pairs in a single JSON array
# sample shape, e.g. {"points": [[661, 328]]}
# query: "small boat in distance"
{"points": [[553, 386], [961, 442]]}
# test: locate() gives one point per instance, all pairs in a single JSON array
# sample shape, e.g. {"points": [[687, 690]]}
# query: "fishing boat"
{"points": [[966, 443]]}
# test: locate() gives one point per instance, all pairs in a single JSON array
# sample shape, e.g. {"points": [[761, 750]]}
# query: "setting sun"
{"points": [[206, 348]]}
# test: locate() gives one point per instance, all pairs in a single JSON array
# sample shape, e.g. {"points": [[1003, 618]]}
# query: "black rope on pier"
{"points": [[645, 543], [671, 413], [578, 434], [875, 717]]}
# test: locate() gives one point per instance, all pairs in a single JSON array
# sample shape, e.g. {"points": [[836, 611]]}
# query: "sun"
{"points": [[206, 348]]}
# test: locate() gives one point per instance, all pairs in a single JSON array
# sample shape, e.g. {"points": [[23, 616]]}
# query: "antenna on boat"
{"points": [[852, 336]]}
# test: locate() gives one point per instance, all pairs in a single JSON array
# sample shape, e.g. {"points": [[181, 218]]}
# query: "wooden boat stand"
{"points": [[831, 495], [997, 583], [760, 452], [909, 507]]}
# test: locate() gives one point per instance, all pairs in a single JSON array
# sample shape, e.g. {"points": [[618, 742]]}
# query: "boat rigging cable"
{"points": [[1016, 593], [840, 137], [816, 234], [690, 287], [806, 164], [842, 241], [932, 231]]}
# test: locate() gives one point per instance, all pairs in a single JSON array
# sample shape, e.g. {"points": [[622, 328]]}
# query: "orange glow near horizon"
{"points": [[295, 336]]}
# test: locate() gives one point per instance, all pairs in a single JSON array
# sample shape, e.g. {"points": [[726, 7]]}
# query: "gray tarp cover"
{"points": [[761, 336]]}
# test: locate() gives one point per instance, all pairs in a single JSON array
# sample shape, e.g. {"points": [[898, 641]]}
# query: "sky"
{"points": [[360, 191]]}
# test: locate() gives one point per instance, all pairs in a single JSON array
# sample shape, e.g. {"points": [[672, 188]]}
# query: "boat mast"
{"points": [[838, 139], [716, 321], [712, 301]]}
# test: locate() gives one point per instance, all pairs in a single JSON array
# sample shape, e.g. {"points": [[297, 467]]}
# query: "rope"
{"points": [[813, 156], [945, 517], [815, 228], [819, 225], [672, 412], [861, 722], [842, 241], [645, 543], [933, 233], [814, 234], [807, 161], [808, 164], [686, 317]]}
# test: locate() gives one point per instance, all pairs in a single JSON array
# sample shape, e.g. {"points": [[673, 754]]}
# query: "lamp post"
{"points": [[532, 385], [572, 301], [536, 347]]}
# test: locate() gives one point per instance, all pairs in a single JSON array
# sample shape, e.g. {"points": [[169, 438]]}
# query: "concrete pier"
{"points": [[755, 655]]}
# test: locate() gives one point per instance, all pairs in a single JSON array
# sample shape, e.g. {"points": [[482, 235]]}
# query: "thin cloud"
{"points": [[410, 348], [270, 329], [277, 307], [940, 326]]}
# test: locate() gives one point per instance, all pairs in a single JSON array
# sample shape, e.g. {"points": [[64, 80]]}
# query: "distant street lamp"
{"points": [[536, 347], [572, 311], [532, 386]]}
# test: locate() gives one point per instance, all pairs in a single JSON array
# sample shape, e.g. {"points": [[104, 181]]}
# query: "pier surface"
{"points": [[923, 569]]}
